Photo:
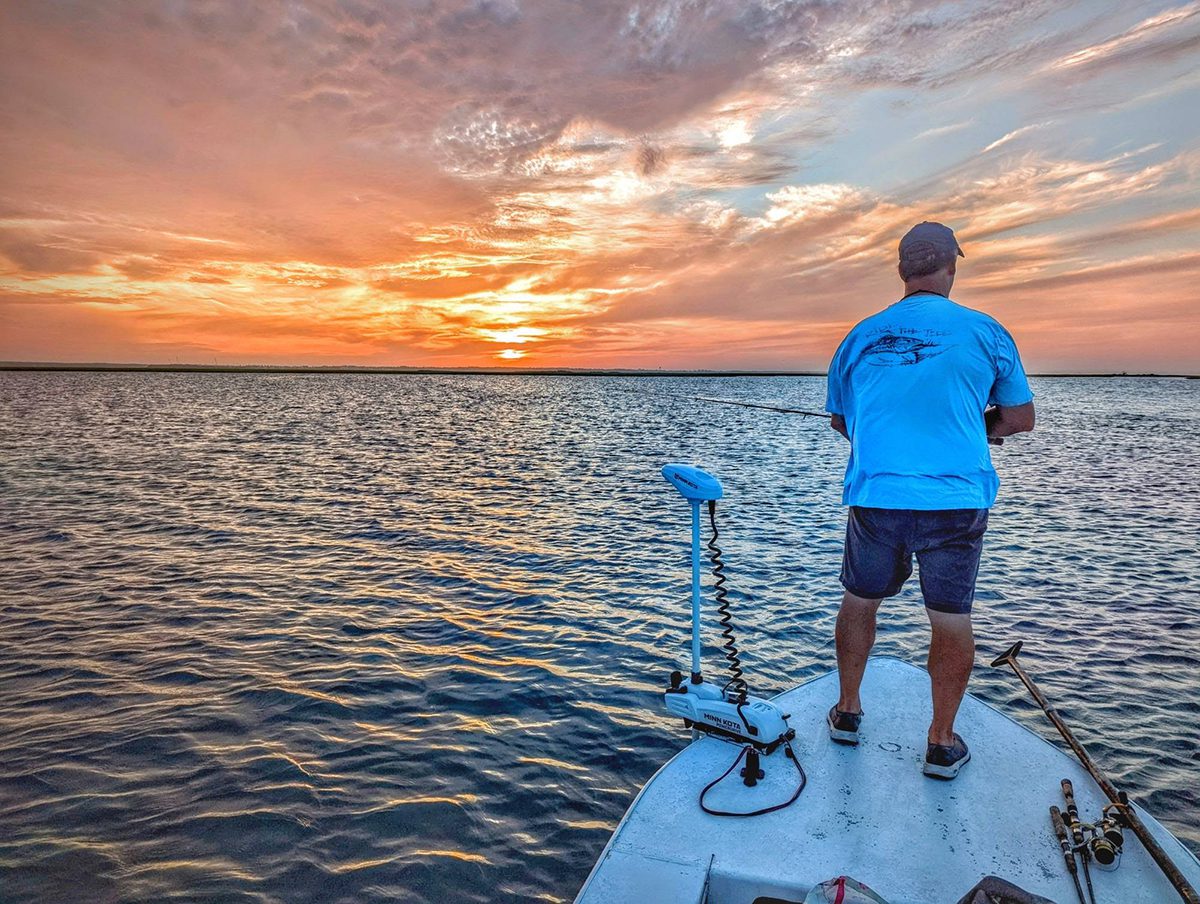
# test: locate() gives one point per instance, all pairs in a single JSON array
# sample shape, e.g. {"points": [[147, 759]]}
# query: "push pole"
{"points": [[696, 679], [1186, 891]]}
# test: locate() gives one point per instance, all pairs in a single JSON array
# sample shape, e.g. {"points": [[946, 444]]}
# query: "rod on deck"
{"points": [[1186, 891], [1064, 844], [1076, 829]]}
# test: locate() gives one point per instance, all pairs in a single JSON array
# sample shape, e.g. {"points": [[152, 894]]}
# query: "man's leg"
{"points": [[855, 635], [951, 656], [951, 542]]}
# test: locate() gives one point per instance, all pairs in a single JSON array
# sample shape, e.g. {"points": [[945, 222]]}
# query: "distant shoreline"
{"points": [[460, 371]]}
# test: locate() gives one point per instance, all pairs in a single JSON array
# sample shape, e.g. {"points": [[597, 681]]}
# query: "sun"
{"points": [[511, 353]]}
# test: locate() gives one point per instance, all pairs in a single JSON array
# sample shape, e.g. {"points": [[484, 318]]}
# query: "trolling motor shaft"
{"points": [[695, 486]]}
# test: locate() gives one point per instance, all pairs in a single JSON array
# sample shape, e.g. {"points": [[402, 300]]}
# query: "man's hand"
{"points": [[838, 423], [1002, 421], [990, 416]]}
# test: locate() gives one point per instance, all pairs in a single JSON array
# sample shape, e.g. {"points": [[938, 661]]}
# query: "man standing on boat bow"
{"points": [[908, 387]]}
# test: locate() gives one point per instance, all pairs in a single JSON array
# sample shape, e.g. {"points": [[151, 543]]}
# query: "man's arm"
{"points": [[838, 423], [1011, 384], [1005, 421]]}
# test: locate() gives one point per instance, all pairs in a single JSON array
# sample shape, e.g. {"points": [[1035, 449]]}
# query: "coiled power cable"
{"points": [[734, 659], [737, 682]]}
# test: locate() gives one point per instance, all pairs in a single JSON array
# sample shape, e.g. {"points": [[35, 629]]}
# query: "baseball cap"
{"points": [[929, 236]]}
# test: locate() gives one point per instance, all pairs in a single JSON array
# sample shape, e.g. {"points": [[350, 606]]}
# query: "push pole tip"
{"points": [[1009, 655]]}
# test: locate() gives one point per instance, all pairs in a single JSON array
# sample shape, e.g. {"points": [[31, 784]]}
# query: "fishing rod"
{"points": [[989, 417], [692, 398], [1076, 828], [1068, 853], [1120, 801], [803, 412], [799, 411], [992, 440]]}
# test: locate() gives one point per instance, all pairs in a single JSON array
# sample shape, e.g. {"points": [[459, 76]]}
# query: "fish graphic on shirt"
{"points": [[890, 350]]}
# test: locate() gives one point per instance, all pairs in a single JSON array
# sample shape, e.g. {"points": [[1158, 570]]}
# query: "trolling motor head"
{"points": [[693, 484], [731, 714]]}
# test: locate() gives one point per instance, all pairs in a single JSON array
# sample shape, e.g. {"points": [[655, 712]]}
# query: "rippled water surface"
{"points": [[270, 638]]}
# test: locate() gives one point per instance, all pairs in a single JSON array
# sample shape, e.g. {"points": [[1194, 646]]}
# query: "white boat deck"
{"points": [[868, 812]]}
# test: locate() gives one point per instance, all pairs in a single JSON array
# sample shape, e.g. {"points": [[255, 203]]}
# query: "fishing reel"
{"points": [[1108, 835], [1100, 841]]}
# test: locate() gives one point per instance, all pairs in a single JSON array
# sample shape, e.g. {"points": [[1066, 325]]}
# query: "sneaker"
{"points": [[945, 762], [843, 727]]}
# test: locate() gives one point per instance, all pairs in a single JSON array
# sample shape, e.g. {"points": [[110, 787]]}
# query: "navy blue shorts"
{"points": [[880, 544]]}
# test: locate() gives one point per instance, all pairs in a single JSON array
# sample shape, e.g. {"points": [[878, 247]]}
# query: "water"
{"points": [[270, 638]]}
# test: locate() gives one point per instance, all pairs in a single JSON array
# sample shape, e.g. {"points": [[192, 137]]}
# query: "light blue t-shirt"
{"points": [[912, 382]]}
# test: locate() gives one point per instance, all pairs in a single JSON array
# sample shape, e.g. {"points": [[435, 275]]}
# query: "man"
{"points": [[908, 387]]}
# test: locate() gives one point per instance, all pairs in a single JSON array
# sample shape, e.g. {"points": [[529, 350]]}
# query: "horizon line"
{"points": [[99, 367]]}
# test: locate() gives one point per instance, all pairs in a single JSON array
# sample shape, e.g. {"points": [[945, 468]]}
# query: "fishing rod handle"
{"points": [[1060, 831], [1072, 813], [1068, 791]]}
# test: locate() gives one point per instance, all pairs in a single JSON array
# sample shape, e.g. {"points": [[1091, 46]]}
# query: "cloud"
{"points": [[1164, 35], [939, 131], [1013, 135], [797, 203], [45, 252], [1149, 265]]}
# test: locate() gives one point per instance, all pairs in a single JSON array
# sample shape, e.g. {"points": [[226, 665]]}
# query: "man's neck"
{"points": [[933, 284], [939, 282], [913, 292]]}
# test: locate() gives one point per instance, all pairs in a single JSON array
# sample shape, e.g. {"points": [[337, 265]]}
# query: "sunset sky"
{"points": [[673, 184]]}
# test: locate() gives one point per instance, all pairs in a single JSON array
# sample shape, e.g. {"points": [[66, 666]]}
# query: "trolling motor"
{"points": [[727, 712]]}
